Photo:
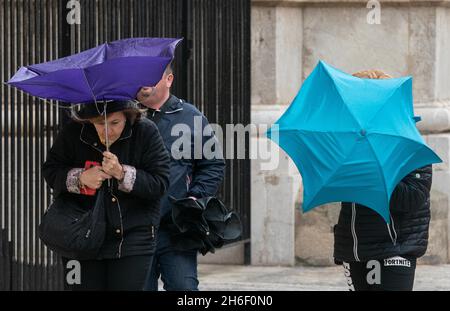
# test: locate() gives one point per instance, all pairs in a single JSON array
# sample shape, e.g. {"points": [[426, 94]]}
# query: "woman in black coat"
{"points": [[380, 256], [137, 170]]}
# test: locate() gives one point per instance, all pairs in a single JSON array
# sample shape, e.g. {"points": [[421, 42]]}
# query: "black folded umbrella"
{"points": [[204, 224], [187, 215], [225, 224]]}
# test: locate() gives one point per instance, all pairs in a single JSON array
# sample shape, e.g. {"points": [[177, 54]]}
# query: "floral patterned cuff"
{"points": [[72, 181], [126, 185]]}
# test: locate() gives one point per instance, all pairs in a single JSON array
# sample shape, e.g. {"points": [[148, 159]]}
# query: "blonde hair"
{"points": [[372, 74]]}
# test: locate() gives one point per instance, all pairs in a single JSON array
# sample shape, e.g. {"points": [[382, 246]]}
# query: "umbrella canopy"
{"points": [[111, 71], [352, 139]]}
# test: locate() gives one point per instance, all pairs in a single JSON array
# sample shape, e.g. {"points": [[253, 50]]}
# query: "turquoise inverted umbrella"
{"points": [[352, 139]]}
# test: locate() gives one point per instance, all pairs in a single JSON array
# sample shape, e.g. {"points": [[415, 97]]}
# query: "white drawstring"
{"points": [[390, 234], [355, 237], [394, 241], [393, 228]]}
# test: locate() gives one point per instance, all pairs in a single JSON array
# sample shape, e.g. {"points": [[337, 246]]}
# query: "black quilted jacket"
{"points": [[362, 235], [131, 217]]}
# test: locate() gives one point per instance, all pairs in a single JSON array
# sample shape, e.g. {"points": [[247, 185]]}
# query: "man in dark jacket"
{"points": [[193, 174], [380, 256]]}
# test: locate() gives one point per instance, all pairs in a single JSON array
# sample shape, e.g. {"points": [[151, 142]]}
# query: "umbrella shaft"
{"points": [[106, 132], [107, 140]]}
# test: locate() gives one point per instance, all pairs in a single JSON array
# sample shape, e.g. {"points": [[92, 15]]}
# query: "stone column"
{"points": [[276, 78]]}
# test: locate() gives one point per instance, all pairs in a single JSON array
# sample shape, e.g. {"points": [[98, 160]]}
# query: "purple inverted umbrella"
{"points": [[111, 71]]}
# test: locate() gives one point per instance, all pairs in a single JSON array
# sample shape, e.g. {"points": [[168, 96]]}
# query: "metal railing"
{"points": [[212, 71]]}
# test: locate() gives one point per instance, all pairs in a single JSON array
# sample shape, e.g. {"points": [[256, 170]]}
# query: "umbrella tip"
{"points": [[324, 63], [417, 118]]}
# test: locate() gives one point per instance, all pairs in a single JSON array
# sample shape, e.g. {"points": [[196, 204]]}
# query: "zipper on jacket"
{"points": [[121, 226], [117, 200], [355, 237], [85, 142]]}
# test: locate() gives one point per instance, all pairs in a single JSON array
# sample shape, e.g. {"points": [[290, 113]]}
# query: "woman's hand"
{"points": [[93, 177], [111, 165]]}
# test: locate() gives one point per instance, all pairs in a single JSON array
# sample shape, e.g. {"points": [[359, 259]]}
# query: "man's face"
{"points": [[150, 96]]}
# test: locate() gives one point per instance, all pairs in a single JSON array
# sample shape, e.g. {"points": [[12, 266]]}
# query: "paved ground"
{"points": [[300, 278]]}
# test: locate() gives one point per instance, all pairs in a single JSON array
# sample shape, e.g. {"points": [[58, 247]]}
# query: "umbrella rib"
{"points": [[422, 146], [89, 86], [396, 136], [351, 113], [379, 168], [330, 75], [312, 131], [104, 112], [43, 99], [335, 170], [387, 99]]}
